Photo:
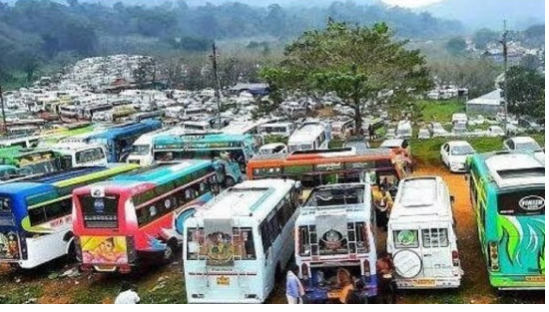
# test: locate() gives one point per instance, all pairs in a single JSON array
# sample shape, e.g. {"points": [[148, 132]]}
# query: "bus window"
{"points": [[243, 244], [406, 239], [5, 205], [195, 242], [50, 212], [530, 202], [100, 212]]}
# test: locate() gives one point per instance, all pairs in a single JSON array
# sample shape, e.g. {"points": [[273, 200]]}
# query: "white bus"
{"points": [[310, 136], [82, 155], [281, 129], [343, 128], [142, 149], [334, 231], [421, 236], [238, 244]]}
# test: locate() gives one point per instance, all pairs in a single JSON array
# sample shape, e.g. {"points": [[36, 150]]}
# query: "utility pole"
{"points": [[505, 83], [3, 111], [213, 57]]}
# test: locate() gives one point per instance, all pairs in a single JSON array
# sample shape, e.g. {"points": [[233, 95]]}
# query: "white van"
{"points": [[421, 236]]}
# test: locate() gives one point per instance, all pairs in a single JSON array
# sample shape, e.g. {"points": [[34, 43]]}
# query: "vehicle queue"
{"points": [[240, 216]]}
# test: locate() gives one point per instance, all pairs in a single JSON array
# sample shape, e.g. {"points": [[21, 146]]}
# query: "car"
{"points": [[495, 131], [438, 130], [272, 149], [404, 130], [398, 144], [525, 144], [454, 155], [459, 118], [459, 128], [358, 143], [424, 134]]}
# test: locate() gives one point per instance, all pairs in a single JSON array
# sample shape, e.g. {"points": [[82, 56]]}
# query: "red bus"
{"points": [[123, 222]]}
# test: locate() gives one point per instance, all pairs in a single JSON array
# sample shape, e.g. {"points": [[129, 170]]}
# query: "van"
{"points": [[421, 236]]}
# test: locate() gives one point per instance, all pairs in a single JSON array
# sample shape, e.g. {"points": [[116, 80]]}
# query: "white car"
{"points": [[454, 155], [525, 144], [495, 131], [424, 134], [274, 148], [438, 130]]}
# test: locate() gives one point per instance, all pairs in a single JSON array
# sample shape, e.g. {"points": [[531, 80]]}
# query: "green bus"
{"points": [[508, 196], [33, 162]]}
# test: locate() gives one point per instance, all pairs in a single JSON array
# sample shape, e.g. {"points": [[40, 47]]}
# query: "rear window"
{"points": [[529, 202], [435, 238], [100, 212], [406, 239]]}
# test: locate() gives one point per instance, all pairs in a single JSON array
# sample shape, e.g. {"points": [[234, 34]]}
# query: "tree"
{"points": [[531, 62], [483, 37], [357, 63], [456, 46], [526, 90]]}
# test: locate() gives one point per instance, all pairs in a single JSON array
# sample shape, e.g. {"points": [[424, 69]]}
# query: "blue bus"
{"points": [[118, 140], [36, 214], [232, 150]]}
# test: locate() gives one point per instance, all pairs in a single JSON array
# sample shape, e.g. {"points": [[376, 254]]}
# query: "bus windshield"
{"points": [[235, 155], [523, 203], [141, 150], [100, 212], [220, 248], [44, 167]]}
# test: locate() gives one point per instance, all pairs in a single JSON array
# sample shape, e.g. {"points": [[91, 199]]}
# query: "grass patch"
{"points": [[440, 111], [20, 295], [171, 291]]}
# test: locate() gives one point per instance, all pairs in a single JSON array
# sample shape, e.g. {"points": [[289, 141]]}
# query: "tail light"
{"points": [[493, 256], [455, 258], [132, 253], [305, 271], [367, 268]]}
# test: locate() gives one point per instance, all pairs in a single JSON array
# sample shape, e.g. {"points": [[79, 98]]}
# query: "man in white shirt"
{"points": [[127, 295]]}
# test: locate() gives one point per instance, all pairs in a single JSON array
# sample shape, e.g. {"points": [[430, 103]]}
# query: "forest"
{"points": [[40, 33]]}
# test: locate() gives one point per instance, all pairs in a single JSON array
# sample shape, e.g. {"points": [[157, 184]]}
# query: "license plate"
{"points": [[424, 282], [535, 279], [105, 268], [223, 281]]}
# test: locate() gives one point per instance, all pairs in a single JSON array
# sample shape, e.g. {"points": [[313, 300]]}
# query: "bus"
{"points": [[34, 162], [508, 195], [82, 155], [341, 129], [238, 245], [118, 140], [316, 168], [336, 230], [310, 136], [129, 220], [277, 129], [35, 214], [142, 148], [421, 236], [234, 150], [25, 142]]}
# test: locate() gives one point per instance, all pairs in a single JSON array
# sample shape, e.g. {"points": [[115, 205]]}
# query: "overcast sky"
{"points": [[410, 3]]}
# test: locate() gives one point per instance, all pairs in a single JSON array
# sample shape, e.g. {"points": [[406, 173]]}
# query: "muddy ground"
{"points": [[59, 282]]}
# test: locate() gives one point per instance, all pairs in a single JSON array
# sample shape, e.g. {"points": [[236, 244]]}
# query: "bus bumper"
{"points": [[438, 283], [513, 282]]}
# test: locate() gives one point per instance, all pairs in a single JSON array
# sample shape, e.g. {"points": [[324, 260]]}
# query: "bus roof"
{"points": [[422, 197], [160, 174], [514, 169], [47, 183], [201, 138], [306, 133], [353, 197], [250, 198], [127, 128], [326, 155]]}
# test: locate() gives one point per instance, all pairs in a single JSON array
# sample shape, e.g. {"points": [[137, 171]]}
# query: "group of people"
{"points": [[349, 291]]}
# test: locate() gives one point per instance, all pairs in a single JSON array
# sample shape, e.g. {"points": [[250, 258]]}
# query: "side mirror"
{"points": [[452, 199]]}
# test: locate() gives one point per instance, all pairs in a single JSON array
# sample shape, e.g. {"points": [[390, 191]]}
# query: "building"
{"points": [[489, 104]]}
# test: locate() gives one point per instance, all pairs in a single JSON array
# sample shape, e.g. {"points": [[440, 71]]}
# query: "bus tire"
{"points": [[169, 252], [278, 272], [229, 182]]}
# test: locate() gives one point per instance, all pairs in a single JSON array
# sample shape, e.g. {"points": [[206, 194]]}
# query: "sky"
{"points": [[411, 3]]}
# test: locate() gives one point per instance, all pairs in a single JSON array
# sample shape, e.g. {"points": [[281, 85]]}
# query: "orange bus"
{"points": [[315, 168]]}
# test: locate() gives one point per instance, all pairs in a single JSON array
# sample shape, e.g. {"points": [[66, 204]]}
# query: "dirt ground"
{"points": [[165, 284]]}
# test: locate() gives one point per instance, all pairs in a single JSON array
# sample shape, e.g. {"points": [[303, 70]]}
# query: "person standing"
{"points": [[127, 295], [385, 273], [294, 288]]}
